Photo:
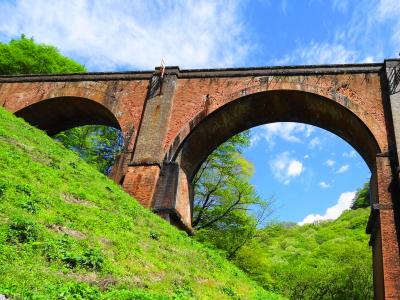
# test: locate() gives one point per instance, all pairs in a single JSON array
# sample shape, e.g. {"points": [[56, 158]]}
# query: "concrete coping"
{"points": [[204, 73]]}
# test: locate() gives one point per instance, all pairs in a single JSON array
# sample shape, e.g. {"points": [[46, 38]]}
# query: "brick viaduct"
{"points": [[171, 123]]}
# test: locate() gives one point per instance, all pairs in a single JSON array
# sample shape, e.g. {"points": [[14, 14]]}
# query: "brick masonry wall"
{"points": [[124, 99], [389, 245], [360, 93], [140, 182]]}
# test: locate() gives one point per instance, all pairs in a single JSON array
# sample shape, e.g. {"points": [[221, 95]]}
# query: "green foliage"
{"points": [[330, 260], [78, 291], [362, 198], [86, 238], [90, 260], [98, 145], [24, 56], [3, 188], [224, 198], [154, 235], [22, 231]]}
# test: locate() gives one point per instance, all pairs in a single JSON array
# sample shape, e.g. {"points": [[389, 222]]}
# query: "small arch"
{"points": [[61, 113], [192, 148]]}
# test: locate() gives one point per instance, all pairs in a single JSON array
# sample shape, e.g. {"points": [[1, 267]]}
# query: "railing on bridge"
{"points": [[394, 79]]}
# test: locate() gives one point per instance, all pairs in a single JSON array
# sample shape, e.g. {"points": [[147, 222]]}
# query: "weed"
{"points": [[3, 188], [25, 189], [73, 290], [92, 259], [22, 231], [154, 235]]}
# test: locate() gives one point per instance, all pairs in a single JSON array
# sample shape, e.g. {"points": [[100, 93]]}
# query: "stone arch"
{"points": [[57, 114], [347, 119], [206, 131]]}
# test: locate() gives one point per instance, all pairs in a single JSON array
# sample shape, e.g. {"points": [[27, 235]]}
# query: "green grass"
{"points": [[68, 232]]}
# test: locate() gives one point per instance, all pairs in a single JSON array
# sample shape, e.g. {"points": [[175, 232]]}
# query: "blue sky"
{"points": [[311, 173]]}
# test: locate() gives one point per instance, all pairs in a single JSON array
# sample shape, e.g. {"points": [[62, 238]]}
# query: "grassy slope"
{"points": [[66, 232]]}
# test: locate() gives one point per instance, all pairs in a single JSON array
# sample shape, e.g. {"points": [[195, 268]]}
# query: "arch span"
{"points": [[61, 113], [269, 107], [206, 132]]}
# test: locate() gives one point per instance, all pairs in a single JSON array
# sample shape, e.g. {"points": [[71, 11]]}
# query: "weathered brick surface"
{"points": [[124, 99], [140, 182], [154, 124], [360, 93], [183, 205], [389, 245]]}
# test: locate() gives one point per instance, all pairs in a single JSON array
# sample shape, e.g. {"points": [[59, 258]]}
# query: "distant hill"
{"points": [[68, 232], [326, 260]]}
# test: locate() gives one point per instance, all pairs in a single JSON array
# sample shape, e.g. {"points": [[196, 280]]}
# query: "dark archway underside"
{"points": [[59, 114], [274, 106]]}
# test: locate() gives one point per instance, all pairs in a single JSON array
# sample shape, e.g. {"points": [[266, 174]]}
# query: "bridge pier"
{"points": [[383, 230], [158, 185]]}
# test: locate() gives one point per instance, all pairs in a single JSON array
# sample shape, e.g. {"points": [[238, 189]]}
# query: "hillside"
{"points": [[329, 260], [68, 232]]}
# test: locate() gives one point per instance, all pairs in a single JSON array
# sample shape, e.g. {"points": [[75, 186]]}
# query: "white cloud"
{"points": [[314, 142], [324, 185], [371, 34], [329, 162], [320, 53], [306, 156], [254, 138], [295, 168], [133, 34], [285, 168], [288, 131], [340, 5], [350, 154], [390, 10], [343, 169], [344, 202]]}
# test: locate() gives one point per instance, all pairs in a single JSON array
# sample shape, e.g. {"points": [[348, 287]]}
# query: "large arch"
{"points": [[61, 113], [206, 132], [267, 107]]}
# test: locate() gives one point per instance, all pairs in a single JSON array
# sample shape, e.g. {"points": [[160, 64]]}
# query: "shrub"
{"points": [[92, 259], [22, 231], [79, 291]]}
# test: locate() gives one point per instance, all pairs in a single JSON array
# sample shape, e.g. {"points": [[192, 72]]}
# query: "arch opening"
{"points": [[84, 126], [246, 113], [62, 113], [98, 145], [270, 107]]}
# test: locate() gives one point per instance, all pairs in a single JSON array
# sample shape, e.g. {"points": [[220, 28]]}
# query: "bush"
{"points": [[22, 231], [78, 291], [69, 252], [92, 259]]}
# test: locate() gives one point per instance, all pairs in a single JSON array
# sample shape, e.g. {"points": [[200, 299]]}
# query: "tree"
{"points": [[25, 56], [227, 208], [330, 260], [98, 145], [362, 198]]}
